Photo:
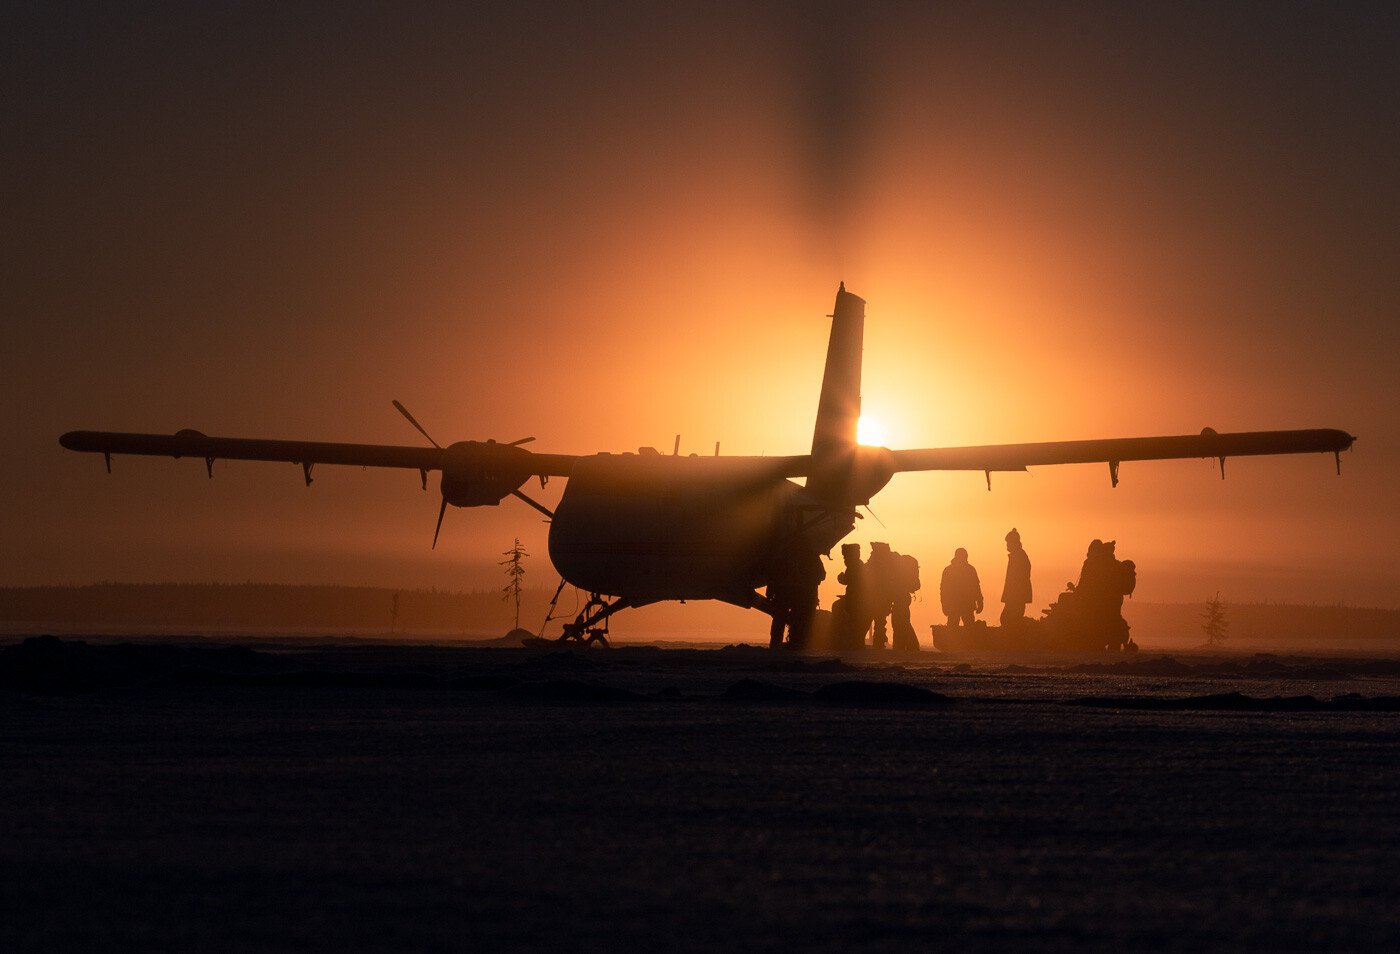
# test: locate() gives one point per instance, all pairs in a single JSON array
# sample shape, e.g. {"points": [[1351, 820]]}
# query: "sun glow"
{"points": [[870, 431]]}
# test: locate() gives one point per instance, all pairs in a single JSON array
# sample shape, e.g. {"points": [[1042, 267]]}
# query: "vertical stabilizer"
{"points": [[839, 407], [844, 475]]}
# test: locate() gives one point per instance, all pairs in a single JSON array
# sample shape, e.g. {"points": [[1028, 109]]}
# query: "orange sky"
{"points": [[603, 228]]}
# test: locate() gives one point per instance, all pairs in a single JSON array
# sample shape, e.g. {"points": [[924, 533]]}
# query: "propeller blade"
{"points": [[438, 529], [404, 411]]}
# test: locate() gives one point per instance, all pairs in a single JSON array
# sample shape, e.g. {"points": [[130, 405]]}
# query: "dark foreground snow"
{"points": [[458, 799]]}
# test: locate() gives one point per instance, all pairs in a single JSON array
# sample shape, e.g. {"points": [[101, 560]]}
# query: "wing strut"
{"points": [[537, 505]]}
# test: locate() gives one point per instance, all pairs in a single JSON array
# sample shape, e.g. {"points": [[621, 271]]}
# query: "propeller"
{"points": [[438, 529], [414, 421], [442, 510]]}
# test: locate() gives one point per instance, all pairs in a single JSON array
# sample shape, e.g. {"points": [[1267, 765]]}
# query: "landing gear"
{"points": [[590, 627]]}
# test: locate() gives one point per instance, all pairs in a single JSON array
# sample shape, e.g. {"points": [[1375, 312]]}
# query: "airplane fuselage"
{"points": [[678, 528]]}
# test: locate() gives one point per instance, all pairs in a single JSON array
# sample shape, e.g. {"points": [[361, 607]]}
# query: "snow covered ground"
{"points": [[373, 798]]}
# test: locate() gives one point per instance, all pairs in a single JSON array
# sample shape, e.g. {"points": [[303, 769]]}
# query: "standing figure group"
{"points": [[878, 589], [879, 592], [960, 591]]}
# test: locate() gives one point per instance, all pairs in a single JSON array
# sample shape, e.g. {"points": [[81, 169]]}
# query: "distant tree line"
{"points": [[1251, 624], [271, 608], [257, 607]]}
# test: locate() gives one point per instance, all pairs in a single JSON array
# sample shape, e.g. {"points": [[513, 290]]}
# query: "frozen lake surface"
{"points": [[372, 798]]}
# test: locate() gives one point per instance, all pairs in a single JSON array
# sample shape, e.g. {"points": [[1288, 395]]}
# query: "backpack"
{"points": [[1127, 577], [906, 573]]}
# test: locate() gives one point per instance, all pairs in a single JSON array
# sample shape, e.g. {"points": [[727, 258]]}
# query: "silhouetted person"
{"points": [[960, 591], [1016, 592], [1123, 581], [905, 584], [792, 595], [1094, 593], [893, 578], [850, 614], [780, 606], [1098, 598], [811, 572], [880, 571]]}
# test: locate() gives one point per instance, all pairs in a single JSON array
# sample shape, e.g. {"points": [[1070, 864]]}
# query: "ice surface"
{"points": [[429, 799]]}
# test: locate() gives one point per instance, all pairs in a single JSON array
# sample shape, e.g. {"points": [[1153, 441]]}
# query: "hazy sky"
{"points": [[602, 225]]}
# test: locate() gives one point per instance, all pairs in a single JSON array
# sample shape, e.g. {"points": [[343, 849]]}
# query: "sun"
{"points": [[870, 431]]}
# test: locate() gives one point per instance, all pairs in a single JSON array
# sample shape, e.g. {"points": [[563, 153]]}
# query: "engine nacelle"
{"points": [[482, 473], [850, 476]]}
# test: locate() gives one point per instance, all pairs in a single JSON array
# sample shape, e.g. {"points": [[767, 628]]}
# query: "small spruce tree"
{"points": [[1213, 621], [515, 569]]}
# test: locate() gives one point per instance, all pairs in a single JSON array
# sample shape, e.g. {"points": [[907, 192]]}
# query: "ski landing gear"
{"points": [[590, 627]]}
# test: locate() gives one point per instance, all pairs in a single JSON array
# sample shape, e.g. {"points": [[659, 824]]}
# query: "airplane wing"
{"points": [[189, 443], [989, 457], [1208, 443]]}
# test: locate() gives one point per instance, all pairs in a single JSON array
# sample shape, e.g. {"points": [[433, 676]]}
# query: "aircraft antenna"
{"points": [[877, 519]]}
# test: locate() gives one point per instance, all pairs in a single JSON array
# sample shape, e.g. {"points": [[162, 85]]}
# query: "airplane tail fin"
{"points": [[839, 407], [844, 474]]}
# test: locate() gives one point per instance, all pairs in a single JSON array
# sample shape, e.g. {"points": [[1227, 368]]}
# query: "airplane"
{"points": [[634, 529]]}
